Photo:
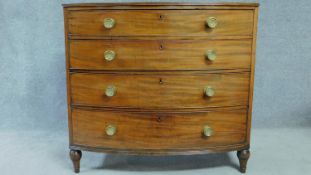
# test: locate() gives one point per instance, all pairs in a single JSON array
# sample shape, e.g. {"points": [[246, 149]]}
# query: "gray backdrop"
{"points": [[32, 65]]}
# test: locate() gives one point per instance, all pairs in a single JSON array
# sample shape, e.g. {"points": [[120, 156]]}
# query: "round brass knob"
{"points": [[111, 91], [211, 22], [109, 55], [111, 130], [211, 55], [208, 131], [109, 23], [209, 91]]}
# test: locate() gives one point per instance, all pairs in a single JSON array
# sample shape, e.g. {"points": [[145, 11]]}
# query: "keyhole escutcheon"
{"points": [[161, 81]]}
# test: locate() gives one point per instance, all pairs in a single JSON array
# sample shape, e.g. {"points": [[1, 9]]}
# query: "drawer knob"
{"points": [[211, 22], [211, 55], [111, 91], [208, 131], [109, 23], [109, 55], [209, 91], [111, 130]]}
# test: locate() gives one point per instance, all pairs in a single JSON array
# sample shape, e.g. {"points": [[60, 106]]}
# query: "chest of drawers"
{"points": [[160, 78]]}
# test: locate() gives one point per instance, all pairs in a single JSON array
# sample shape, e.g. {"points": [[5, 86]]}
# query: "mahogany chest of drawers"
{"points": [[160, 78]]}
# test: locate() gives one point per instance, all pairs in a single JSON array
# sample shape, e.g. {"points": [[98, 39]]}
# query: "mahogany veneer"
{"points": [[174, 55], [160, 78]]}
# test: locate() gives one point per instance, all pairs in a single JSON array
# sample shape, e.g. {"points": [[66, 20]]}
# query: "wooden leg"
{"points": [[75, 156], [243, 156]]}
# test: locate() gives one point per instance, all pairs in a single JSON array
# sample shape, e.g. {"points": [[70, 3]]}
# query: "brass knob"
{"points": [[111, 91], [109, 23], [209, 91], [208, 131], [211, 55], [109, 55], [211, 22], [111, 130]]}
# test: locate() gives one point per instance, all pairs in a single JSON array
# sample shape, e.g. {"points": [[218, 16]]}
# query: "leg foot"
{"points": [[243, 156], [75, 156]]}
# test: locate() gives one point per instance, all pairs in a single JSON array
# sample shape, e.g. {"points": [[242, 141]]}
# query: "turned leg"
{"points": [[243, 156], [75, 156]]}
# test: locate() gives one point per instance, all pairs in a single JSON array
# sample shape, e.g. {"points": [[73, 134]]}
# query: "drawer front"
{"points": [[160, 55], [160, 90], [160, 22], [157, 131]]}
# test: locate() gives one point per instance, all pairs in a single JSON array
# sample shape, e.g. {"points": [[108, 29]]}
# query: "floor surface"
{"points": [[273, 152]]}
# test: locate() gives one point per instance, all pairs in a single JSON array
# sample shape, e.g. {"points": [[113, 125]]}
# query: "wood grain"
{"points": [[160, 54], [181, 37], [158, 131], [157, 91], [161, 22], [67, 62], [252, 75], [162, 152]]}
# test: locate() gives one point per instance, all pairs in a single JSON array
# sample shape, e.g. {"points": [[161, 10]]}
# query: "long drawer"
{"points": [[161, 22], [160, 54], [158, 131], [160, 90]]}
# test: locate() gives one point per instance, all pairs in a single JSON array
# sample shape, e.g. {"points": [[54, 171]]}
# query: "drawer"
{"points": [[160, 90], [158, 131], [161, 22], [160, 55]]}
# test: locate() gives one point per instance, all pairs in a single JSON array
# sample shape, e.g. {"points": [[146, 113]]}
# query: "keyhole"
{"points": [[161, 46], [160, 81], [159, 119], [161, 17]]}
